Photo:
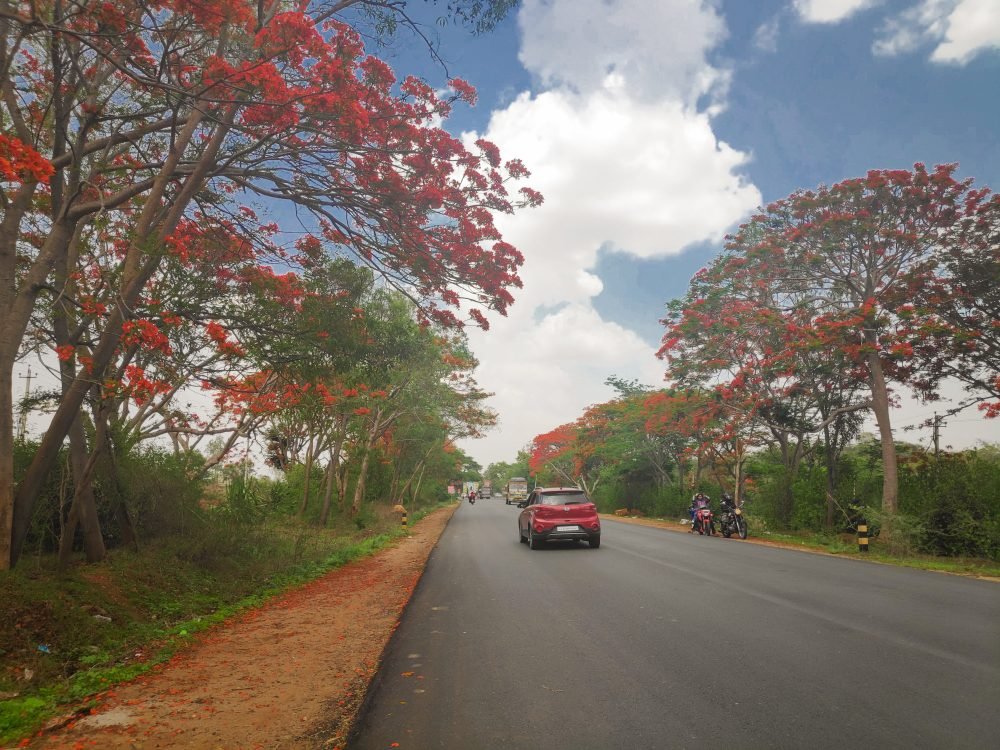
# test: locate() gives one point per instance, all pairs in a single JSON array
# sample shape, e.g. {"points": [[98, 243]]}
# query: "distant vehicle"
{"points": [[558, 514], [486, 489], [517, 490]]}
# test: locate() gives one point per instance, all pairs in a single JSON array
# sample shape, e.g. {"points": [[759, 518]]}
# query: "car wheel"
{"points": [[533, 541], [520, 536], [594, 541]]}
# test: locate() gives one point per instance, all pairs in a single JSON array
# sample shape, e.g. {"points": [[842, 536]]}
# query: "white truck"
{"points": [[486, 489], [516, 491]]}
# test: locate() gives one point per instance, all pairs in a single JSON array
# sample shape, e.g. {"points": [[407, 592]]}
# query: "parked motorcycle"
{"points": [[703, 522], [731, 519]]}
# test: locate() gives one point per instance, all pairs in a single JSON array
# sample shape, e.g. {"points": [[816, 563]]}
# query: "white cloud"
{"points": [[959, 29], [829, 11], [647, 177], [626, 161], [657, 46], [765, 38]]}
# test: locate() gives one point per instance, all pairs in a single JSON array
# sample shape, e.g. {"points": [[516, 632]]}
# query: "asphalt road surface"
{"points": [[668, 640]]}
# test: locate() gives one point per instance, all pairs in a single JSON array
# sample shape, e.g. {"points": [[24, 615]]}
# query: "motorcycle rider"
{"points": [[472, 497], [699, 501]]}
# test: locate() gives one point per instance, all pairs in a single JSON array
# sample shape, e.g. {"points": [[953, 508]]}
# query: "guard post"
{"points": [[402, 514], [862, 534]]}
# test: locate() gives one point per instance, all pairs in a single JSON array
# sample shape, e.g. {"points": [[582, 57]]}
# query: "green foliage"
{"points": [[158, 490], [246, 501], [153, 484], [43, 533], [955, 501], [17, 713]]}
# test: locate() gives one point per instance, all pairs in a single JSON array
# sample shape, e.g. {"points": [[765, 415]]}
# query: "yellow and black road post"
{"points": [[862, 534]]}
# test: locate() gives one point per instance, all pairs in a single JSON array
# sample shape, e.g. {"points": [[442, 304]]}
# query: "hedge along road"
{"points": [[660, 639]]}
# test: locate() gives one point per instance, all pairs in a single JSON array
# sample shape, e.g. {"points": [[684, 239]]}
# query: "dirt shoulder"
{"points": [[290, 674]]}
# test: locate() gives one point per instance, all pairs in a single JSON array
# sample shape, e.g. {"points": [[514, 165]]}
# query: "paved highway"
{"points": [[667, 640]]}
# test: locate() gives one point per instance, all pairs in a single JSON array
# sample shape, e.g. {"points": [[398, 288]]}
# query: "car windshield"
{"points": [[562, 498]]}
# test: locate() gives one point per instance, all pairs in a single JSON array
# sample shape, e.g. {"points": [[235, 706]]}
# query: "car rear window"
{"points": [[562, 498]]}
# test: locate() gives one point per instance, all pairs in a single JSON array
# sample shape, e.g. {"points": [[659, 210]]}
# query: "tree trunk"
{"points": [[679, 459], [331, 480], [738, 488], [306, 479], [831, 478], [880, 405], [416, 490], [129, 536], [394, 489], [342, 472], [17, 301], [6, 464], [359, 488], [83, 509], [397, 497]]}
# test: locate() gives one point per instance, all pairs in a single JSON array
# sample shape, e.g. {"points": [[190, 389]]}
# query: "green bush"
{"points": [[957, 499], [246, 503], [161, 497], [43, 533]]}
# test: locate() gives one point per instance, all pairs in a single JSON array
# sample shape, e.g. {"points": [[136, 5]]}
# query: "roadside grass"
{"points": [[66, 638], [846, 545]]}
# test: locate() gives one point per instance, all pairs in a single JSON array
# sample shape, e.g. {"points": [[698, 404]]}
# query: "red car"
{"points": [[558, 513]]}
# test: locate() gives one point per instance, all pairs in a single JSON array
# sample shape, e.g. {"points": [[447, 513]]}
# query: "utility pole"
{"points": [[937, 434], [22, 420]]}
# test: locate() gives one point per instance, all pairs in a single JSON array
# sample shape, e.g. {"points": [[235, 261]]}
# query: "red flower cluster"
{"points": [[220, 336], [19, 162], [146, 335]]}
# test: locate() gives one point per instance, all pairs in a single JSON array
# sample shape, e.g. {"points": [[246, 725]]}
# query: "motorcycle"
{"points": [[703, 523], [731, 519], [472, 498]]}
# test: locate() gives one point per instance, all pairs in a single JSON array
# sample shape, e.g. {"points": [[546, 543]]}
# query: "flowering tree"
{"points": [[843, 259], [955, 321], [552, 451], [150, 116], [746, 334]]}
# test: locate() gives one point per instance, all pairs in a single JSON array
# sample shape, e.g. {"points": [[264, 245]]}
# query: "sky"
{"points": [[654, 127]]}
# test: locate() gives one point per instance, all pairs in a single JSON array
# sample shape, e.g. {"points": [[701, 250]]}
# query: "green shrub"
{"points": [[160, 495]]}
